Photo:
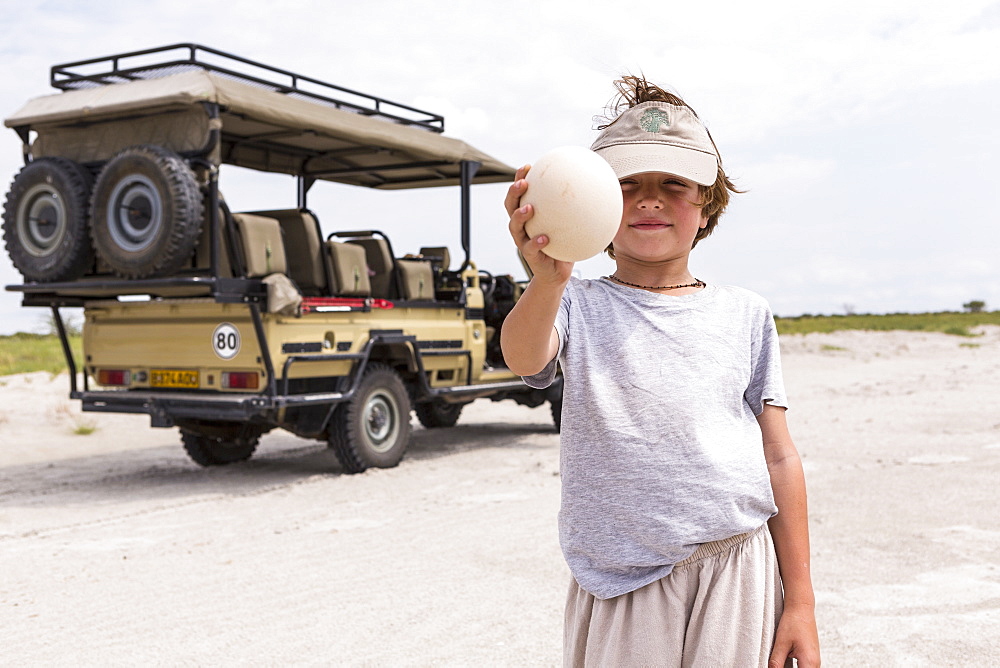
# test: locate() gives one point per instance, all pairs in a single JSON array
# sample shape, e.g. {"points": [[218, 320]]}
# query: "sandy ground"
{"points": [[115, 549]]}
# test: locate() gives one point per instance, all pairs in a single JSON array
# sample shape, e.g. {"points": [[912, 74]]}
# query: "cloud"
{"points": [[786, 171], [832, 114], [774, 65]]}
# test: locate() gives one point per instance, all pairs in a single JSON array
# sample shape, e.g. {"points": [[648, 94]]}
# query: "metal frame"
{"points": [[63, 77], [469, 169]]}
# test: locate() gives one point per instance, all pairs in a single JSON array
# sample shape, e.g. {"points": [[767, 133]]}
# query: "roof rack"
{"points": [[160, 62]]}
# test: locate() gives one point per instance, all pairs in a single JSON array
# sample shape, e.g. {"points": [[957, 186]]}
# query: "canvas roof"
{"points": [[261, 129]]}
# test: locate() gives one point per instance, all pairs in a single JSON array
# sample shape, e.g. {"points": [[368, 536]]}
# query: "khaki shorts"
{"points": [[718, 607]]}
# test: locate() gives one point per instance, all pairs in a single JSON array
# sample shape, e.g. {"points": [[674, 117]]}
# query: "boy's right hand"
{"points": [[544, 268]]}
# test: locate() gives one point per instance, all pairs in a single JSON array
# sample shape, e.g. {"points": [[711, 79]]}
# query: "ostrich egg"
{"points": [[577, 202]]}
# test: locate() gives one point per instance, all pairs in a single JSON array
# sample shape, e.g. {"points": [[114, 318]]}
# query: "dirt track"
{"points": [[115, 549]]}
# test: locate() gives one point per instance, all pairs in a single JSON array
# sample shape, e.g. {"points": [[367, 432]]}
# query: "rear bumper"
{"points": [[166, 408]]}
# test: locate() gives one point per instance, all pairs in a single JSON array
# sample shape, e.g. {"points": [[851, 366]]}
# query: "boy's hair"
{"points": [[634, 90]]}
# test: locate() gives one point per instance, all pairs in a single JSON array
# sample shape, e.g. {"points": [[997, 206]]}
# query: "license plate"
{"points": [[173, 378]]}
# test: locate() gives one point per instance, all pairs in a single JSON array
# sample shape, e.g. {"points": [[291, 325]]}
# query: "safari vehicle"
{"points": [[230, 324]]}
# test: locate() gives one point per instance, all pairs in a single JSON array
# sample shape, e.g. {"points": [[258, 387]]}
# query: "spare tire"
{"points": [[146, 212], [45, 220]]}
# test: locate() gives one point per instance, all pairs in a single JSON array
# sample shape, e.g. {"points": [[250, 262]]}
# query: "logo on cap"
{"points": [[653, 120]]}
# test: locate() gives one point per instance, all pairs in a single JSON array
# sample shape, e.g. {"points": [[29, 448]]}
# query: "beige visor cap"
{"points": [[659, 137]]}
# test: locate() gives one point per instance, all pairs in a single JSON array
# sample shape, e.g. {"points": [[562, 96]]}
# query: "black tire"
{"points": [[217, 450], [434, 414], [146, 212], [45, 221], [556, 407], [372, 430]]}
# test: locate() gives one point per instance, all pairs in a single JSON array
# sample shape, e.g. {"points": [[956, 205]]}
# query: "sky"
{"points": [[865, 133]]}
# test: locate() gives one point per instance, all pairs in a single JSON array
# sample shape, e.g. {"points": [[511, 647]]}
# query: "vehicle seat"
{"points": [[447, 284], [416, 278], [439, 257], [348, 269], [304, 252], [380, 265], [262, 245]]}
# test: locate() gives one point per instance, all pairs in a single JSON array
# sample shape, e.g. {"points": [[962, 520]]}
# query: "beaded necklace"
{"points": [[697, 284]]}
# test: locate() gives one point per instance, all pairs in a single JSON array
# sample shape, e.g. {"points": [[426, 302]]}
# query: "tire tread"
{"points": [[76, 256], [211, 451], [344, 436], [170, 253]]}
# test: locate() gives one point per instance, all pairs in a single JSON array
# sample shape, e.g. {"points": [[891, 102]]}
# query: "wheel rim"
{"points": [[381, 421], [41, 220], [136, 213]]}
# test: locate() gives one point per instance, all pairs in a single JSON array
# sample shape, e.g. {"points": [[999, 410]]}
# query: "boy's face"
{"points": [[661, 216]]}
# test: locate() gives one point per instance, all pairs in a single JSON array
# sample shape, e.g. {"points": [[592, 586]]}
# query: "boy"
{"points": [[677, 466]]}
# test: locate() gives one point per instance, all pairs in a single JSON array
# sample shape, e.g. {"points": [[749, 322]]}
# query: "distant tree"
{"points": [[975, 306], [71, 321]]}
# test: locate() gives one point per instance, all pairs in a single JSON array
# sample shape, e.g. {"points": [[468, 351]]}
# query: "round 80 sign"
{"points": [[226, 341]]}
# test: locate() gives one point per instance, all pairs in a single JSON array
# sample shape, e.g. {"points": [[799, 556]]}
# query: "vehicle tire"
{"points": [[438, 413], [556, 407], [45, 220], [372, 430], [146, 212], [213, 450]]}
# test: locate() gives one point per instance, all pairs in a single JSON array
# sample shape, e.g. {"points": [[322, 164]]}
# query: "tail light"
{"points": [[240, 380], [108, 377]]}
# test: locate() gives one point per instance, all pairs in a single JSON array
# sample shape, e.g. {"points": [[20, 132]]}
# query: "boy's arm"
{"points": [[797, 636], [528, 337]]}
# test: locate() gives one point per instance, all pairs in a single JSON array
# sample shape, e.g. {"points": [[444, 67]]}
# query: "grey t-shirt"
{"points": [[660, 447]]}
